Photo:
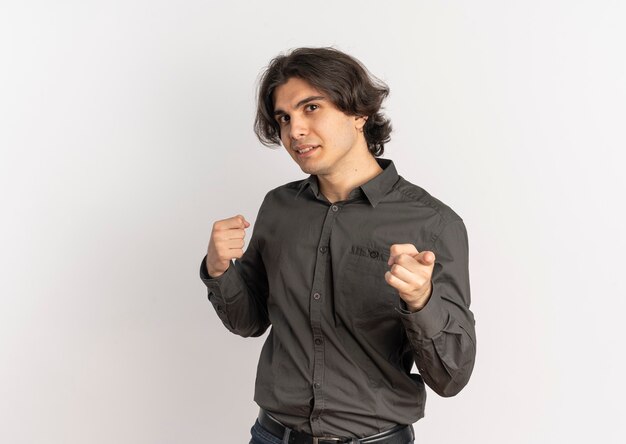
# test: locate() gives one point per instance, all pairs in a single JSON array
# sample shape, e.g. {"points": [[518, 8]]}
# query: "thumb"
{"points": [[426, 257], [243, 219]]}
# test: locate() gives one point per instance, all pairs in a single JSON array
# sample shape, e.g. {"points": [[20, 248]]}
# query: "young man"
{"points": [[359, 272]]}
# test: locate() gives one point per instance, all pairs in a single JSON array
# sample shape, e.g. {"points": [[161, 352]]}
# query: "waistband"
{"points": [[401, 434]]}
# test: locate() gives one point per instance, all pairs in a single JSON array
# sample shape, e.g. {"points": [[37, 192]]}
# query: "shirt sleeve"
{"points": [[442, 333], [239, 295]]}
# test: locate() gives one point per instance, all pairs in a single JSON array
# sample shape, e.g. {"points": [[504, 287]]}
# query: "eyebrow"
{"points": [[300, 103]]}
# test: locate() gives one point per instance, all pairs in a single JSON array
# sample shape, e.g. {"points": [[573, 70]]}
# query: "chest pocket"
{"points": [[364, 292]]}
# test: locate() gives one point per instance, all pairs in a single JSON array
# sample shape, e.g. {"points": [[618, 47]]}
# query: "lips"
{"points": [[304, 146], [305, 150]]}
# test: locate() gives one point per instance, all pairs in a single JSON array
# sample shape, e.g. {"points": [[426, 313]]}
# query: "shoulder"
{"points": [[288, 188], [422, 199], [281, 192]]}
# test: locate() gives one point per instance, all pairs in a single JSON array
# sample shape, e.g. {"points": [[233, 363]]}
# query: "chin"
{"points": [[307, 170], [309, 167]]}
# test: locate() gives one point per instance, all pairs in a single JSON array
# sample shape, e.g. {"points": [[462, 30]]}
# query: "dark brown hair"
{"points": [[343, 78]]}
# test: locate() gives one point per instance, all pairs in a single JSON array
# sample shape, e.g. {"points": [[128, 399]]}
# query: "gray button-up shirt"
{"points": [[338, 358]]}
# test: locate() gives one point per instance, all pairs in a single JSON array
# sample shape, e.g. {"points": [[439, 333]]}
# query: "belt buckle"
{"points": [[318, 439]]}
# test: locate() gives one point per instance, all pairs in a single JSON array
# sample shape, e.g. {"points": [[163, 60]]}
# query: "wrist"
{"points": [[212, 272], [421, 302]]}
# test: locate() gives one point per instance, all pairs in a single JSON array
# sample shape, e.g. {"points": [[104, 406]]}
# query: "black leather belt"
{"points": [[401, 434]]}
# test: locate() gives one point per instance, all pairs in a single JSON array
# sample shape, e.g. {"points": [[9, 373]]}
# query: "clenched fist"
{"points": [[226, 243]]}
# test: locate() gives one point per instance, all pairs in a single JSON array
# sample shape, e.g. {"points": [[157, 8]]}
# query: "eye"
{"points": [[312, 106], [283, 118]]}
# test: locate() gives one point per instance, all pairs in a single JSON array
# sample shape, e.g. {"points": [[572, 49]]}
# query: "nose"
{"points": [[298, 127]]}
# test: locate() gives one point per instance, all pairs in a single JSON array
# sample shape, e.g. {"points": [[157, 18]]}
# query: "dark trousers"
{"points": [[262, 436]]}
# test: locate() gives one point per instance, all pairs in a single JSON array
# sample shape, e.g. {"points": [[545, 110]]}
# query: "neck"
{"points": [[338, 185]]}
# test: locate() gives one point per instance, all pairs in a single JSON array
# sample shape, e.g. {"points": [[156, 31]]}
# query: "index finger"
{"points": [[398, 249]]}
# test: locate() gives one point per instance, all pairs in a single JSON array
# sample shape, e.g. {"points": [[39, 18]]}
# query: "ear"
{"points": [[359, 122]]}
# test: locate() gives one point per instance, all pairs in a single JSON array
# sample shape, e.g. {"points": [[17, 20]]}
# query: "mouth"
{"points": [[306, 150]]}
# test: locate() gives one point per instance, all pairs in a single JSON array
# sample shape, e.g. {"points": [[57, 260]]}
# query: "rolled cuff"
{"points": [[227, 280], [427, 322]]}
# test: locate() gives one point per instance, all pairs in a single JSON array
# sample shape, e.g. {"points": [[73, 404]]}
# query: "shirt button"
{"points": [[316, 296], [335, 207], [323, 249], [318, 341], [317, 385]]}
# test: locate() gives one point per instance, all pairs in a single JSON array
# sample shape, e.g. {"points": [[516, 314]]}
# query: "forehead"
{"points": [[287, 95]]}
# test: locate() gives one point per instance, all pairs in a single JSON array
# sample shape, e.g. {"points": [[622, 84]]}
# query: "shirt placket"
{"points": [[317, 299]]}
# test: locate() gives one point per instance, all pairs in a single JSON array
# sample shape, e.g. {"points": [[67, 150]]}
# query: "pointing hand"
{"points": [[411, 273]]}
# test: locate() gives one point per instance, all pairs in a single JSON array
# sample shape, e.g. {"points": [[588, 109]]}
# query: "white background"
{"points": [[126, 130]]}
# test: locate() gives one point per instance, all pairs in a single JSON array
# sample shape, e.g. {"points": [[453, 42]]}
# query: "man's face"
{"points": [[308, 119]]}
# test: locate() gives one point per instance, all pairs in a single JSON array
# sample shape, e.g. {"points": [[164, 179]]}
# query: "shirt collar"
{"points": [[374, 189]]}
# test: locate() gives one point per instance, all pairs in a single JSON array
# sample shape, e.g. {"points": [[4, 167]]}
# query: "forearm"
{"points": [[442, 332], [444, 349], [241, 307]]}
